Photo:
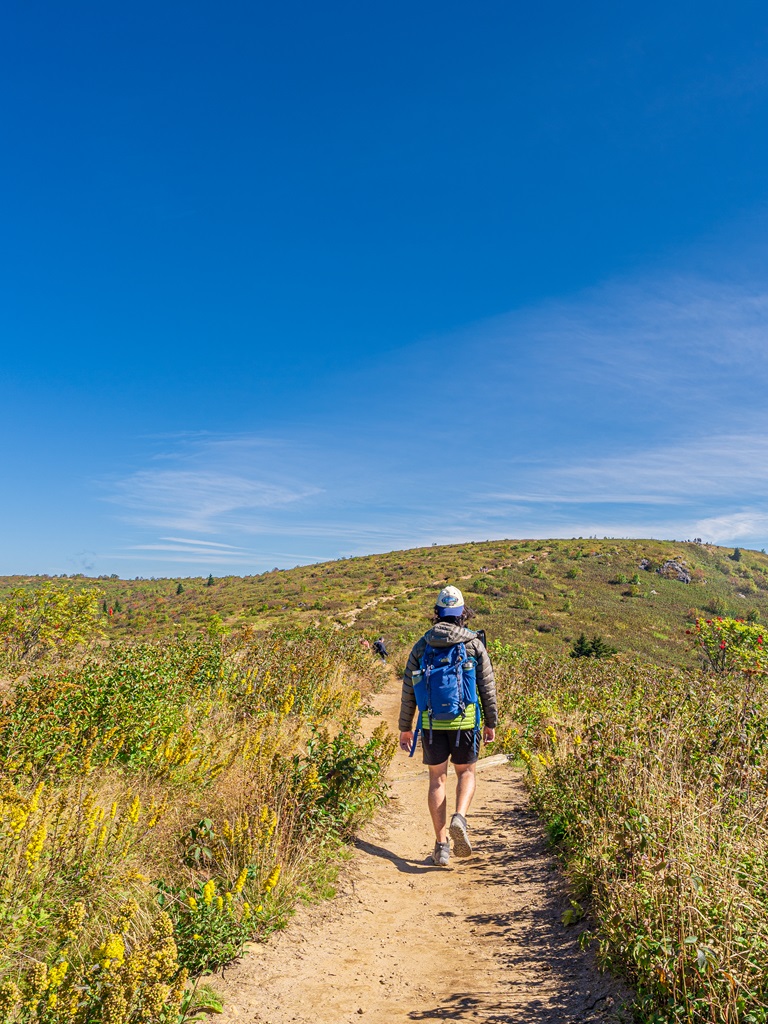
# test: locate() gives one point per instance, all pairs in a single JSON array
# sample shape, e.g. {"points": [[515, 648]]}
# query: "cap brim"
{"points": [[451, 613]]}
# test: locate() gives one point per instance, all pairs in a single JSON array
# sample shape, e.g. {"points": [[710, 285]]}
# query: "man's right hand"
{"points": [[406, 741]]}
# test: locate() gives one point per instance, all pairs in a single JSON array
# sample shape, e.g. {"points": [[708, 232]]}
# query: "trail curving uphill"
{"points": [[403, 941]]}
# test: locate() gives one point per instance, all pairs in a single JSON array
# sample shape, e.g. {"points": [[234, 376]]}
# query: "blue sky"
{"points": [[291, 282]]}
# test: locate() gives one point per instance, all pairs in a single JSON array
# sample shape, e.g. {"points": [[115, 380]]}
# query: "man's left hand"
{"points": [[488, 734]]}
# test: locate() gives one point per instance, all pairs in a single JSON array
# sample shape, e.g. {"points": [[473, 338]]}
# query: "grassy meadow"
{"points": [[545, 592], [175, 775]]}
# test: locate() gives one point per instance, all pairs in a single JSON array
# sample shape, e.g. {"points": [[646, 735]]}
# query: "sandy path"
{"points": [[481, 941]]}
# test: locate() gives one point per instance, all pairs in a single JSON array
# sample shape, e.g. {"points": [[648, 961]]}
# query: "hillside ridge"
{"points": [[541, 592]]}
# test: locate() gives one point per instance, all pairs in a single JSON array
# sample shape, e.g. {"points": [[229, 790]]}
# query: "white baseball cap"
{"points": [[450, 602]]}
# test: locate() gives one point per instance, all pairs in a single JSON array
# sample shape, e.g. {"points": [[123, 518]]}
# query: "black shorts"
{"points": [[444, 746]]}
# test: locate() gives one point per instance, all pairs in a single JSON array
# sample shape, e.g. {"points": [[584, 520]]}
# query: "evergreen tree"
{"points": [[581, 648], [600, 649], [736, 556], [179, 589], [104, 607], [117, 606], [209, 581]]}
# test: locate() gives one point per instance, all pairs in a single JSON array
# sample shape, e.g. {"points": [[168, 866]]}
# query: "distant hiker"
{"points": [[380, 647], [449, 679]]}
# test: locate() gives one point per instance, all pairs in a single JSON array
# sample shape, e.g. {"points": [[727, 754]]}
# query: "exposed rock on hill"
{"points": [[672, 569]]}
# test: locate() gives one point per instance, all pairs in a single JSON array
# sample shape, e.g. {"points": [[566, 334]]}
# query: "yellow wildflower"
{"points": [[19, 815], [9, 996], [72, 920], [35, 846], [112, 953], [134, 810], [56, 975], [219, 903], [273, 879], [38, 977], [192, 902], [209, 890], [34, 802], [241, 880]]}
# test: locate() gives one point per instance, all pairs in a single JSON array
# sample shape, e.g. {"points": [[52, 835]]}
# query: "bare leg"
{"points": [[465, 787], [436, 799]]}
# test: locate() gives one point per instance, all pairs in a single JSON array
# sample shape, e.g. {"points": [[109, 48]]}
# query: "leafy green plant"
{"points": [[731, 645], [198, 844], [210, 926], [45, 621]]}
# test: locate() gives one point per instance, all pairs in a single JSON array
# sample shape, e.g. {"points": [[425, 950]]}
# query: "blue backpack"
{"points": [[444, 686]]}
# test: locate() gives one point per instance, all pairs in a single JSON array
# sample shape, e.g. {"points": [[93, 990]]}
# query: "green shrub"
{"points": [[717, 606], [594, 648], [653, 785]]}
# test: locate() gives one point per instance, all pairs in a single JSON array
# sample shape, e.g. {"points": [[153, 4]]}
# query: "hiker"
{"points": [[449, 655], [380, 647]]}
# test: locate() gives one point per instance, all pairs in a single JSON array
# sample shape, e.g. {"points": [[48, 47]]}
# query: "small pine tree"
{"points": [[180, 589], [209, 581], [104, 607], [117, 606], [736, 556], [600, 649], [581, 648]]}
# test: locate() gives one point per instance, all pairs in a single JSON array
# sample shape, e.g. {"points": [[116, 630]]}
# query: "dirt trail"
{"points": [[481, 941]]}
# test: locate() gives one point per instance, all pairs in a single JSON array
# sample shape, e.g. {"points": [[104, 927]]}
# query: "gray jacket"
{"points": [[445, 634]]}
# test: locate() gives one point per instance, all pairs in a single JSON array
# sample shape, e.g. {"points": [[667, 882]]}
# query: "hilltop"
{"points": [[639, 595]]}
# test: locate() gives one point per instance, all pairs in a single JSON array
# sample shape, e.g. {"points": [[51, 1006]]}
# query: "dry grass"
{"points": [[654, 785]]}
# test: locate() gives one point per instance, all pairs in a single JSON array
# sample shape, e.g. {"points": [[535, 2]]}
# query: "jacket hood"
{"points": [[446, 634]]}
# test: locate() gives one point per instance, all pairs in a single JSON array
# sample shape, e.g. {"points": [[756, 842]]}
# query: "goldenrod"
{"points": [[273, 879], [35, 846], [112, 953]]}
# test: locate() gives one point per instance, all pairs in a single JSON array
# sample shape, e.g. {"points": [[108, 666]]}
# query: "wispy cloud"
{"points": [[632, 409], [746, 525], [668, 344], [214, 482], [733, 466]]}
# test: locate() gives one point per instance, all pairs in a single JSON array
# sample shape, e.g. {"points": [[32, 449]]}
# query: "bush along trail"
{"points": [[495, 937], [161, 805], [653, 784]]}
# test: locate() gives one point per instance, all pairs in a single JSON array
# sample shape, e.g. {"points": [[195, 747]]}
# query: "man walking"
{"points": [[381, 648], [455, 738]]}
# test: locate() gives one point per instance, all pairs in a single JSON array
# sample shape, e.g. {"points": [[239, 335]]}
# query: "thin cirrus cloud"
{"points": [[633, 409], [671, 345], [201, 500], [698, 470]]}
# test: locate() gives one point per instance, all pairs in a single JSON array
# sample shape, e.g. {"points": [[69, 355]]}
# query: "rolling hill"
{"points": [[639, 595]]}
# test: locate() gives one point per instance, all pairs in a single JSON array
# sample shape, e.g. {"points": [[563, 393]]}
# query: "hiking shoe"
{"points": [[441, 854], [458, 833]]}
